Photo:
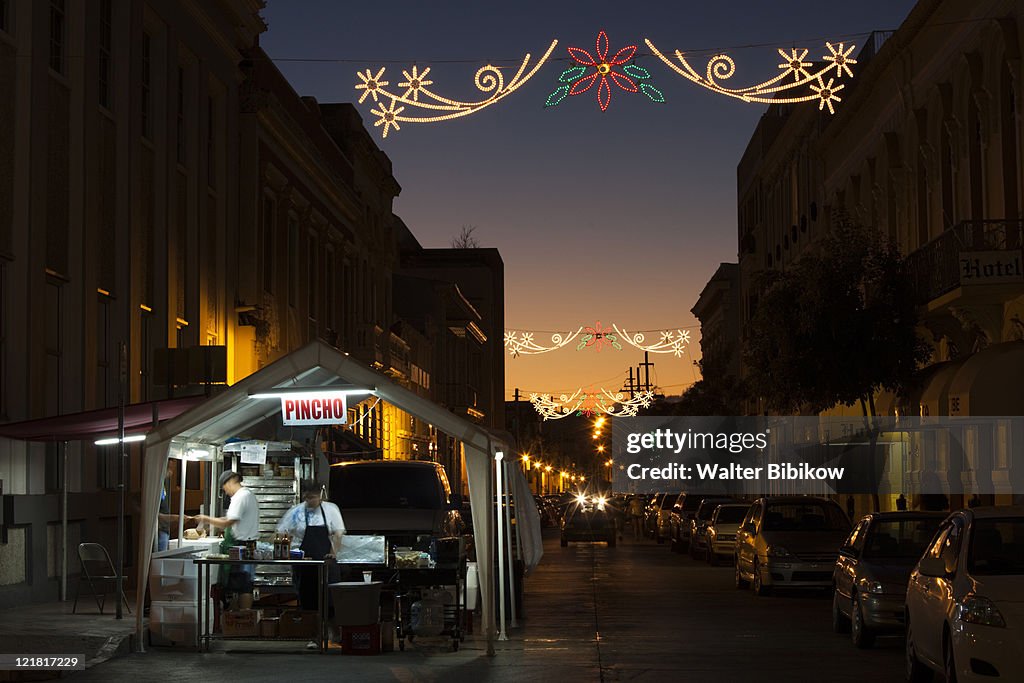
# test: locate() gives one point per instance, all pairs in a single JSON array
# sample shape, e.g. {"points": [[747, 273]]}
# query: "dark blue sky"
{"points": [[618, 216]]}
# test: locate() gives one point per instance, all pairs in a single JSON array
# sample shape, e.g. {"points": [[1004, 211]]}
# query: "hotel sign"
{"points": [[322, 408], [990, 267]]}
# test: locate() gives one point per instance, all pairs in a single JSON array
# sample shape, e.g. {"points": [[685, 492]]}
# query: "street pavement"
{"points": [[636, 612]]}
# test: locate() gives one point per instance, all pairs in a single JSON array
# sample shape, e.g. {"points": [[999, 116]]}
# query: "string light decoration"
{"points": [[585, 404], [721, 67], [598, 69], [798, 81], [522, 343], [431, 107], [668, 340]]}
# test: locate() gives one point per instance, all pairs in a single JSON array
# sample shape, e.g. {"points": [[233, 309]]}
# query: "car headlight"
{"points": [[777, 551], [869, 586], [975, 609]]}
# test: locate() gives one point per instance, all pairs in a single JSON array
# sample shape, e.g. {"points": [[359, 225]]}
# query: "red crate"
{"points": [[361, 640]]}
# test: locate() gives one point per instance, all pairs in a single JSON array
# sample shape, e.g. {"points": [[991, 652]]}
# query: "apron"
{"points": [[316, 543]]}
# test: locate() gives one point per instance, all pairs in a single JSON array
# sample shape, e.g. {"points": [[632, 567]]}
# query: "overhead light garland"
{"points": [[582, 403], [721, 67], [668, 340], [415, 102]]}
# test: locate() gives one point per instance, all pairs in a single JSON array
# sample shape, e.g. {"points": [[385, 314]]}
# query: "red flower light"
{"points": [[603, 70]]}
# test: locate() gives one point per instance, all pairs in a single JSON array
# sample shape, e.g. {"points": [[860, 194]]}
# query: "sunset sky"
{"points": [[618, 216]]}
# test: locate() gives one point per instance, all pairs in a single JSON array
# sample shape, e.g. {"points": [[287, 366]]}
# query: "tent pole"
{"points": [[181, 502], [501, 546], [511, 553], [64, 527]]}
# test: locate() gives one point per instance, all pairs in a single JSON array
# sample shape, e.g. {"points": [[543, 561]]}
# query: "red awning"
{"points": [[139, 418]]}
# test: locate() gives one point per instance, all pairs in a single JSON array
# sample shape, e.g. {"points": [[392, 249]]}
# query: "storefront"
{"points": [[207, 432]]}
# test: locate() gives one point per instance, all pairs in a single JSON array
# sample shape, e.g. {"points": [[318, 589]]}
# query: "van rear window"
{"points": [[414, 488]]}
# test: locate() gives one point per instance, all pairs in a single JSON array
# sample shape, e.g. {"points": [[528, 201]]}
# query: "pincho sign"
{"points": [[322, 408]]}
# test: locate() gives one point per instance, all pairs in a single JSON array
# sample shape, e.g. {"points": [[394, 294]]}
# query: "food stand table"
{"points": [[204, 565]]}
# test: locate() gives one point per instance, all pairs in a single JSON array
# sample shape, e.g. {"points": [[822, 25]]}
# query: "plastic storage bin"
{"points": [[173, 579], [172, 624]]}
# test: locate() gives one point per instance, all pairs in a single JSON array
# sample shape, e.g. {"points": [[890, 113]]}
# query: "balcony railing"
{"points": [[938, 267]]}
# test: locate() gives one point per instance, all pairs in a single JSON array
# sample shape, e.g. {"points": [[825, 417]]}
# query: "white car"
{"points": [[965, 600], [721, 531]]}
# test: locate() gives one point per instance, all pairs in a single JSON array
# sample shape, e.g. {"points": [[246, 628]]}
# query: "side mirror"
{"points": [[932, 566]]}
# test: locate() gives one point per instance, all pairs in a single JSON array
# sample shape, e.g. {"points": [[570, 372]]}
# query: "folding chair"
{"points": [[96, 567]]}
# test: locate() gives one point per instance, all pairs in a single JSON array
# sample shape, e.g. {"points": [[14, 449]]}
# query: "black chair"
{"points": [[97, 569]]}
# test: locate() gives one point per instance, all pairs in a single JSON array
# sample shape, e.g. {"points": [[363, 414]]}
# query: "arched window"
{"points": [[1008, 126], [976, 161]]}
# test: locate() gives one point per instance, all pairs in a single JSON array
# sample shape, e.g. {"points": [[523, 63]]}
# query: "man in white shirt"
{"points": [[243, 517]]}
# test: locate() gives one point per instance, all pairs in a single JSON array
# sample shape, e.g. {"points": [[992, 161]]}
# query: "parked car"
{"points": [[657, 521], [872, 571], [789, 541], [699, 523], [588, 522], [720, 536], [680, 516], [965, 600]]}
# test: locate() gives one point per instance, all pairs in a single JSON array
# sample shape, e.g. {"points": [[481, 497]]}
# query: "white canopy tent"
{"points": [[317, 365]]}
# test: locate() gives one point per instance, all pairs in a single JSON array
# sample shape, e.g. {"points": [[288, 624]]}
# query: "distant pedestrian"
{"points": [[850, 507], [636, 516], [901, 503]]}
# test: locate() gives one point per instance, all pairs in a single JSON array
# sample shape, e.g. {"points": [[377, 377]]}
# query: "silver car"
{"points": [[789, 541], [720, 535], [872, 571]]}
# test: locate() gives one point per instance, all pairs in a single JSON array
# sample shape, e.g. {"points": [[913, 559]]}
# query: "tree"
{"points": [[836, 327], [466, 239]]}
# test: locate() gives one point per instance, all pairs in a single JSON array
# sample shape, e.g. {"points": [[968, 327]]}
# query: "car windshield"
{"points": [[804, 517], [691, 503], [707, 510], [731, 514], [903, 539], [997, 546], [666, 502], [386, 487]]}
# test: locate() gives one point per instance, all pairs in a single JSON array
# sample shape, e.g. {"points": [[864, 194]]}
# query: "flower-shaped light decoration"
{"points": [[370, 84], [414, 82], [795, 64], [827, 94], [598, 69], [840, 58], [387, 116], [597, 337]]}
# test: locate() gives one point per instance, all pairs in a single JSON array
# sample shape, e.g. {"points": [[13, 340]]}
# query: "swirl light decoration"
{"points": [[523, 342], [721, 67], [585, 404], [669, 341], [418, 96]]}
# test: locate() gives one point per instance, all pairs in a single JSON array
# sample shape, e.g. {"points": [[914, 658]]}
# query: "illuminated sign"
{"points": [[322, 408]]}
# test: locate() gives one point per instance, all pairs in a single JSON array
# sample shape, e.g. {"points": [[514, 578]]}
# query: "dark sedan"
{"points": [[588, 523]]}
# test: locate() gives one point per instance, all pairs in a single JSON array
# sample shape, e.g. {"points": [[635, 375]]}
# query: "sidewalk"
{"points": [[51, 628]]}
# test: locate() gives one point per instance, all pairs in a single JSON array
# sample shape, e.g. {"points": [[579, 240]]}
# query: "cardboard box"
{"points": [[361, 640], [356, 603], [243, 622], [296, 624]]}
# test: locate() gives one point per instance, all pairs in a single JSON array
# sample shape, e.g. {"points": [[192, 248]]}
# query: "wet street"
{"points": [[637, 612]]}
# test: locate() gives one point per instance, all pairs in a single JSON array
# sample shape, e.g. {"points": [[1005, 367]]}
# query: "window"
{"points": [[293, 258], [268, 220], [180, 116], [146, 99], [312, 274], [57, 35], [330, 296], [105, 64], [1011, 146], [6, 20]]}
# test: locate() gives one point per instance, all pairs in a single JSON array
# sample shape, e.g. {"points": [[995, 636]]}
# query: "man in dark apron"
{"points": [[316, 528]]}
